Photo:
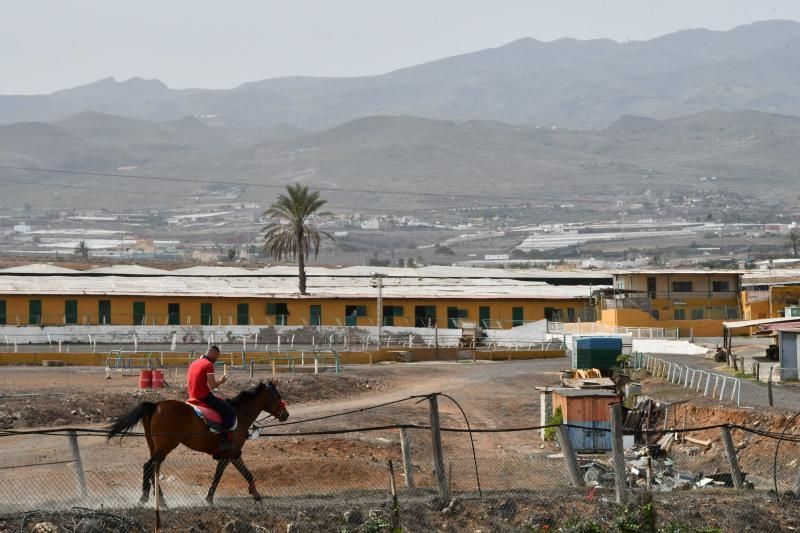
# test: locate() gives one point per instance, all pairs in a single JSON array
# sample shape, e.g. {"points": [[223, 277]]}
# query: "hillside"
{"points": [[567, 83], [401, 154]]}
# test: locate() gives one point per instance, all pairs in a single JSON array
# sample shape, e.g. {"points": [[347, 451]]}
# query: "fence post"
{"points": [[620, 481], [733, 462], [252, 368], [570, 459], [77, 463], [769, 388], [438, 459], [408, 467]]}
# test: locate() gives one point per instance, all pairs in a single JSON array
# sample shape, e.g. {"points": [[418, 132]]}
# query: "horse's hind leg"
{"points": [[222, 464], [251, 483], [148, 473]]}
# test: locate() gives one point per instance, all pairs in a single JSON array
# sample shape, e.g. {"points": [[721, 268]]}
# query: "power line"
{"points": [[220, 181]]}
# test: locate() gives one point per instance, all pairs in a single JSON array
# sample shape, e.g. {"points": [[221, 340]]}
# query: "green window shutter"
{"points": [[3, 316], [517, 316], [70, 311], [104, 312], [138, 313], [484, 315], [206, 314], [34, 312], [242, 314], [362, 310], [315, 314], [174, 314], [272, 309]]}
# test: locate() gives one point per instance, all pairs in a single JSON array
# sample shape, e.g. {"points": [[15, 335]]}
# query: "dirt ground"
{"points": [[310, 481]]}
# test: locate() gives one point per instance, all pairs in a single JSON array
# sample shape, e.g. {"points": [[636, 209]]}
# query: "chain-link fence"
{"points": [[339, 476]]}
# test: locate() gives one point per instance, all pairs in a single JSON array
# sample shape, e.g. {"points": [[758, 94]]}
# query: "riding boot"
{"points": [[225, 443]]}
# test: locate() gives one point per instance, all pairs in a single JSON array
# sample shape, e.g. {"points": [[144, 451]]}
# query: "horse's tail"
{"points": [[128, 421]]}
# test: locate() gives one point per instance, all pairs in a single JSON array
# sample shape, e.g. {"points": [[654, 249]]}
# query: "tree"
{"points": [[290, 234], [794, 239], [231, 254], [82, 250]]}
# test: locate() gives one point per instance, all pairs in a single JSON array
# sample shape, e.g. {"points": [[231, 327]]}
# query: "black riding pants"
{"points": [[223, 408]]}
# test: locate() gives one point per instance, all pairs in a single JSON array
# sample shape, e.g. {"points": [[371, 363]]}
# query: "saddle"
{"points": [[212, 418]]}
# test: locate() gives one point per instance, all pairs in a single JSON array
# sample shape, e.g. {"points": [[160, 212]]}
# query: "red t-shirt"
{"points": [[197, 378]]}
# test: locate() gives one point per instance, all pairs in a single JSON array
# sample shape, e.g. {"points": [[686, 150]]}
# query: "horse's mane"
{"points": [[247, 394]]}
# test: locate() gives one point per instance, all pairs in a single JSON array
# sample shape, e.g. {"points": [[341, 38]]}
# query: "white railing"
{"points": [[691, 378], [578, 328]]}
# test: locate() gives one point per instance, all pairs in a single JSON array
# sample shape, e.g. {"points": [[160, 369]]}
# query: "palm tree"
{"points": [[289, 233], [82, 250]]}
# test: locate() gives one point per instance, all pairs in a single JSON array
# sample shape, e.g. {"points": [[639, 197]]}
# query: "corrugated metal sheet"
{"points": [[284, 287]]}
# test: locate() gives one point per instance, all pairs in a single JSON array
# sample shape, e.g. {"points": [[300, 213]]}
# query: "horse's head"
{"points": [[273, 403]]}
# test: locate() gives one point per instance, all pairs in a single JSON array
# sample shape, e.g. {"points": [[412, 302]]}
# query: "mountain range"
{"points": [[566, 83]]}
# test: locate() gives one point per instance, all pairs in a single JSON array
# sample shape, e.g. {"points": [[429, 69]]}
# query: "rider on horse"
{"points": [[202, 381]]}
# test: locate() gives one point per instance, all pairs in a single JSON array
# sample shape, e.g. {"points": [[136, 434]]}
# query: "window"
{"points": [[680, 314], [389, 312], [280, 310], [352, 312], [425, 316], [315, 315], [242, 314], [70, 311], [34, 312], [552, 314], [720, 286], [655, 314], [570, 314], [518, 316], [174, 314], [697, 314], [454, 317], [206, 314], [651, 288], [104, 312], [681, 286], [138, 313], [3, 317], [485, 316]]}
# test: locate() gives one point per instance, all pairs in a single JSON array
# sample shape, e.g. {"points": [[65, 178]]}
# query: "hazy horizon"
{"points": [[196, 44]]}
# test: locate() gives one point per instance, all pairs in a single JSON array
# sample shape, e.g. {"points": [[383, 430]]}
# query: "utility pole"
{"points": [[377, 281]]}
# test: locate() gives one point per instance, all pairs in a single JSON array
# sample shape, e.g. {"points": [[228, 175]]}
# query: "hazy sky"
{"points": [[53, 44]]}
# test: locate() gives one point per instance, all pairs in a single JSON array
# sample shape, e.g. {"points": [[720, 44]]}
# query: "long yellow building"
{"points": [[130, 295]]}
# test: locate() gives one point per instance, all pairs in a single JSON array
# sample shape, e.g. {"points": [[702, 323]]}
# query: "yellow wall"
{"points": [[639, 319], [418, 354], [224, 310]]}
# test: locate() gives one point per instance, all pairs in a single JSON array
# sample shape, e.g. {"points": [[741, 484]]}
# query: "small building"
{"points": [[695, 302], [788, 347], [589, 408]]}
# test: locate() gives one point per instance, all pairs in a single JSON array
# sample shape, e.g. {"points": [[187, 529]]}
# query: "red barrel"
{"points": [[146, 379], [158, 379]]}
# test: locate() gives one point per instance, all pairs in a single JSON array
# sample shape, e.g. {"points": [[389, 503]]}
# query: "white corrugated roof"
{"points": [[285, 287], [38, 269], [129, 270]]}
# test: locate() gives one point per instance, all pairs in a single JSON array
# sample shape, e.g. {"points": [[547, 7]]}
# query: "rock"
{"points": [[289, 528], [74, 412], [198, 527], [507, 510], [237, 526], [90, 525], [353, 517], [452, 508], [45, 527]]}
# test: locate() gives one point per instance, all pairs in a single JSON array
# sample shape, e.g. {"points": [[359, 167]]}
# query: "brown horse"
{"points": [[169, 423]]}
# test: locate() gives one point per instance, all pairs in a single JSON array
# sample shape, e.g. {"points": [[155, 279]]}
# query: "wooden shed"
{"points": [[589, 408]]}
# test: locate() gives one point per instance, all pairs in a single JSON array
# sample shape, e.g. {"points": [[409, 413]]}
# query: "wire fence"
{"points": [[328, 473]]}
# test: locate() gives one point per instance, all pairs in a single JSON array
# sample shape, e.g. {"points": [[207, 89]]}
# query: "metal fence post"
{"points": [[438, 459], [77, 463], [570, 459], [620, 481], [408, 467]]}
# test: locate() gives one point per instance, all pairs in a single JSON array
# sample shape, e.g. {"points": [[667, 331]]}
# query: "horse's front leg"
{"points": [[251, 484], [222, 464]]}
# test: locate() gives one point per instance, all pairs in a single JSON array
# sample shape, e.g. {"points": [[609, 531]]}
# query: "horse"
{"points": [[170, 423]]}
